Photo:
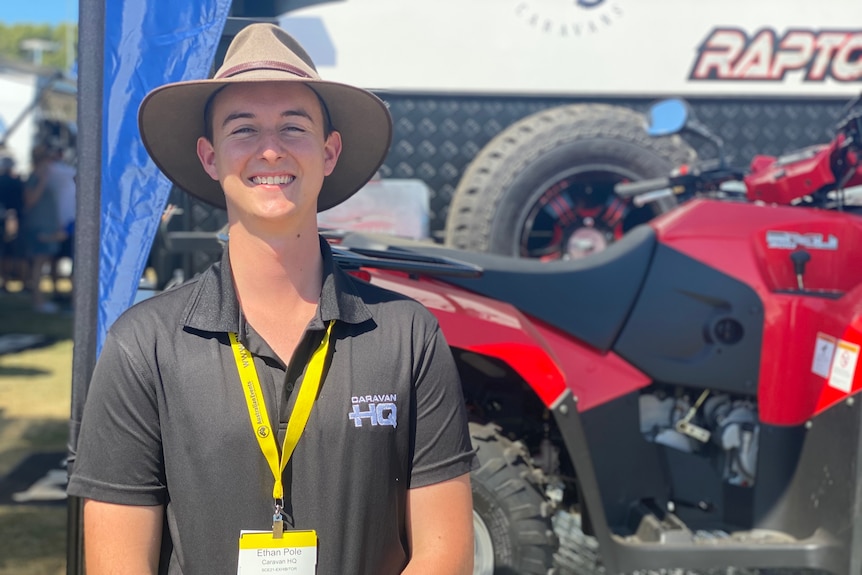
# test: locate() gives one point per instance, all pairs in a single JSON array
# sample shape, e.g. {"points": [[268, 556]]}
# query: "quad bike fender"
{"points": [[487, 327], [549, 361], [592, 377], [781, 180], [836, 356]]}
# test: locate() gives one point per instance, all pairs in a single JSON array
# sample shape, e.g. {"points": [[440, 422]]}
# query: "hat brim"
{"points": [[171, 119]]}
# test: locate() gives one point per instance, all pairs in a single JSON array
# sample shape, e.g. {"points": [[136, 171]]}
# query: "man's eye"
{"points": [[294, 129], [242, 130]]}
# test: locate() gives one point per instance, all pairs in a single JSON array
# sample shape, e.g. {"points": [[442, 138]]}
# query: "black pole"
{"points": [[91, 28]]}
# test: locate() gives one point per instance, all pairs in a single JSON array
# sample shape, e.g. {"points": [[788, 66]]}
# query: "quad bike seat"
{"points": [[588, 298]]}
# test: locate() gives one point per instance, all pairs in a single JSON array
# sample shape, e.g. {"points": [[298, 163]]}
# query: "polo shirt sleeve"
{"points": [[442, 442], [119, 451]]}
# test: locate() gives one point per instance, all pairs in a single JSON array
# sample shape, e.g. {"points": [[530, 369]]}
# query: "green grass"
{"points": [[18, 317], [35, 397], [32, 540]]}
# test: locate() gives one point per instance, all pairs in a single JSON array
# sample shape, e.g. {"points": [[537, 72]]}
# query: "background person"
{"points": [[11, 200], [62, 181], [41, 226]]}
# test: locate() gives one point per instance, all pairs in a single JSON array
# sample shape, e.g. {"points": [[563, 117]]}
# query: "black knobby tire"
{"points": [[509, 511], [509, 176], [578, 553]]}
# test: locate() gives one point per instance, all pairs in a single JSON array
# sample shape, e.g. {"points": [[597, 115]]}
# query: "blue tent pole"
{"points": [[91, 18]]}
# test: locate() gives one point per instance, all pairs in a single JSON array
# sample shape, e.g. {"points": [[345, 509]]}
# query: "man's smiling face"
{"points": [[269, 150]]}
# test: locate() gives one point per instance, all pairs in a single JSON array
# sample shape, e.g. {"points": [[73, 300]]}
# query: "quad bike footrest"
{"points": [[667, 542]]}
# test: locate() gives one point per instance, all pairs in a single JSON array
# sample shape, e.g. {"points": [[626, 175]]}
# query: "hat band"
{"points": [[263, 65]]}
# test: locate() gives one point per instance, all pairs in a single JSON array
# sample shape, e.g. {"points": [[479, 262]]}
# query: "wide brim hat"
{"points": [[171, 117]]}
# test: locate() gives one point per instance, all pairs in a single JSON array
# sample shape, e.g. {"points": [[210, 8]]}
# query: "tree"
{"points": [[63, 36]]}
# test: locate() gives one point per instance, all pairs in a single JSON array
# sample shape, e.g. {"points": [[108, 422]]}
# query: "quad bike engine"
{"points": [[714, 425]]}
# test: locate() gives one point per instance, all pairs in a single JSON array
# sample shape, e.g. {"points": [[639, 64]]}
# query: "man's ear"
{"points": [[206, 154], [331, 151]]}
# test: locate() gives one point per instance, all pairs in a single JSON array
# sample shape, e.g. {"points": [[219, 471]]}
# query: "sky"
{"points": [[38, 11]]}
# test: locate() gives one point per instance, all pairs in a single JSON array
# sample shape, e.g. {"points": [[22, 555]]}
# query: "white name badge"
{"points": [[262, 554]]}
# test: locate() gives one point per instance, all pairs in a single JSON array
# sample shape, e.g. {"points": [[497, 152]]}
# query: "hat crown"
{"points": [[171, 117], [266, 47]]}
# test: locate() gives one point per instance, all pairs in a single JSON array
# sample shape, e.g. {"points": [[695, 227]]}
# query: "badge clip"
{"points": [[278, 522]]}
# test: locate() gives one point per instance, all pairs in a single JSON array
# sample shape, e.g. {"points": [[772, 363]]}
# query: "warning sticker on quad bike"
{"points": [[844, 366], [824, 350]]}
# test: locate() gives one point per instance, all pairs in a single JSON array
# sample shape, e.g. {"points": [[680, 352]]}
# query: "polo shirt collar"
{"points": [[213, 306]]}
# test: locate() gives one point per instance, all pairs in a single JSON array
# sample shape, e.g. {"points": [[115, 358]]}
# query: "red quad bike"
{"points": [[687, 398]]}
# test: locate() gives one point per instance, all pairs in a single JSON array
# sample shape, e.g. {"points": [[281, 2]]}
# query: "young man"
{"points": [[176, 454]]}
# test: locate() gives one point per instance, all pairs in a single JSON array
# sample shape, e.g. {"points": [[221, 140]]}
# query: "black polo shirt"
{"points": [[166, 423]]}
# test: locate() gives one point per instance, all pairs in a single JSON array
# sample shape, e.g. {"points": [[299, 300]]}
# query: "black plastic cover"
{"points": [[695, 326]]}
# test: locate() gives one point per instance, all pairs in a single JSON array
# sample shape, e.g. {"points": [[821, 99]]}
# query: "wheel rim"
{"points": [[483, 547], [573, 214]]}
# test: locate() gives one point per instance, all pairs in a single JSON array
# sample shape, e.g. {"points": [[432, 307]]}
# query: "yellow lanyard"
{"points": [[257, 408]]}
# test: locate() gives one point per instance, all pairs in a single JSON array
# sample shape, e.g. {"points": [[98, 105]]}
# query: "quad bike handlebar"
{"points": [[783, 180], [633, 189], [703, 179]]}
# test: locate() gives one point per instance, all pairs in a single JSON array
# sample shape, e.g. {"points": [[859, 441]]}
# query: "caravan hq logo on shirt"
{"points": [[374, 410]]}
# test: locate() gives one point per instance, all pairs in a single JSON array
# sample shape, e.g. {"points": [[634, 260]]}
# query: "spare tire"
{"points": [[543, 187]]}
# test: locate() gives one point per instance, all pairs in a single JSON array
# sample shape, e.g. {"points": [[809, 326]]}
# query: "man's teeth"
{"points": [[272, 180]]}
